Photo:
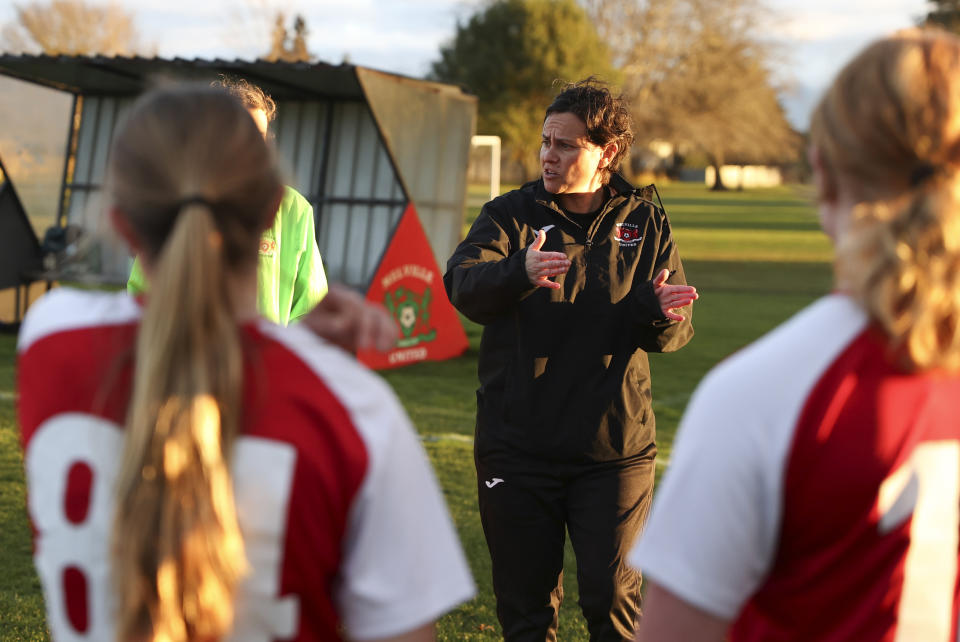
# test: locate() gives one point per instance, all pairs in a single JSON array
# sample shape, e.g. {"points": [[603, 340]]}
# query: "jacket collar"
{"points": [[620, 185], [621, 188]]}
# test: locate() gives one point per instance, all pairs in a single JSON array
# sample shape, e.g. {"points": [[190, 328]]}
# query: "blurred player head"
{"points": [[885, 147], [258, 103], [192, 184]]}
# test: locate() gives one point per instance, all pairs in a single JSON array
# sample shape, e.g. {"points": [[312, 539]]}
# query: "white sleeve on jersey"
{"points": [[403, 565], [715, 522], [69, 309]]}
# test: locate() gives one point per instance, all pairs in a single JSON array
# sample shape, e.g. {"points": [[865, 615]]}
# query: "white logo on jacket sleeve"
{"points": [[493, 482]]}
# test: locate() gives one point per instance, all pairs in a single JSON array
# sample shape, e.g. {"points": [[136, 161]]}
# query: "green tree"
{"points": [[697, 75], [510, 53], [944, 13], [71, 27]]}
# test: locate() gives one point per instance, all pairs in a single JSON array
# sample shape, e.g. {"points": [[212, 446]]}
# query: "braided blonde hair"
{"points": [[889, 129]]}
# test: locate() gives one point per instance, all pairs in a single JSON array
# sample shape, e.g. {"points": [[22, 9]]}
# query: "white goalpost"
{"points": [[493, 142]]}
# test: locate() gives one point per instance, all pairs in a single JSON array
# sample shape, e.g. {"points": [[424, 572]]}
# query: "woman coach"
{"points": [[565, 429]]}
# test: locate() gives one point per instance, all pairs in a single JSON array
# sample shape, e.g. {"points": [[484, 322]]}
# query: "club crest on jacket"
{"points": [[627, 234]]}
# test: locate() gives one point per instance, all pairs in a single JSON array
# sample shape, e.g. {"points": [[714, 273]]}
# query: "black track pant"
{"points": [[527, 505]]}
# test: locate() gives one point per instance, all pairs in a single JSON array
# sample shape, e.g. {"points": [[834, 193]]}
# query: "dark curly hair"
{"points": [[606, 116], [249, 94]]}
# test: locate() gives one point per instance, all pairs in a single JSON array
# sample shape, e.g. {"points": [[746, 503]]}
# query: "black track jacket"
{"points": [[563, 373]]}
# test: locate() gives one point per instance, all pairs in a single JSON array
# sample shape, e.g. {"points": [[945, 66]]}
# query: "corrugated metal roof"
{"points": [[129, 75]]}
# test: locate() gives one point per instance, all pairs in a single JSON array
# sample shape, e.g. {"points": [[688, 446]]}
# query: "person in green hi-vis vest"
{"points": [[290, 277]]}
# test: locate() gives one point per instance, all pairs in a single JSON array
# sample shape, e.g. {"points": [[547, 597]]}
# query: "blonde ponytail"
{"points": [[901, 260], [197, 183], [177, 520], [888, 130]]}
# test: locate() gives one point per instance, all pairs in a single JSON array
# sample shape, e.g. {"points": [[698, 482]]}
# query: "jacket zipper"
{"points": [[591, 231]]}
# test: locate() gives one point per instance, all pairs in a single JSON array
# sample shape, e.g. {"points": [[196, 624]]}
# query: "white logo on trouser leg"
{"points": [[493, 482]]}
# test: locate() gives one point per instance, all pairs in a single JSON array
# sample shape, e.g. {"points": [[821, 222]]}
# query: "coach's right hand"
{"points": [[542, 265]]}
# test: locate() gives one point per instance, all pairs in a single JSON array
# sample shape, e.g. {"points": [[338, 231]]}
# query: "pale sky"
{"points": [[404, 36]]}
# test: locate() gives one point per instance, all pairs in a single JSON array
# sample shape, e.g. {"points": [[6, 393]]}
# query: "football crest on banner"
{"points": [[627, 234], [411, 308], [408, 283]]}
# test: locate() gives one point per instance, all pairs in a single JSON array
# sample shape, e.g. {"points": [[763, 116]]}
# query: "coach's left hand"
{"points": [[673, 297]]}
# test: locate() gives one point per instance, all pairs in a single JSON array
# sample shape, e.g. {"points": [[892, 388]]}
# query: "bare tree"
{"points": [[278, 39], [71, 27], [697, 75], [300, 33], [285, 48]]}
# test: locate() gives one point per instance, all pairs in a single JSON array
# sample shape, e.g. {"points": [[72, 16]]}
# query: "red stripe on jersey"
{"points": [[332, 462], [89, 370], [83, 370], [837, 575]]}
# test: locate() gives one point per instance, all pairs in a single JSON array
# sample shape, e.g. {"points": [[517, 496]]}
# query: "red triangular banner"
{"points": [[409, 284]]}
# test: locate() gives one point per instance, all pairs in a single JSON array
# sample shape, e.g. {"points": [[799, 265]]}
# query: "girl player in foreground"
{"points": [[195, 473], [815, 484]]}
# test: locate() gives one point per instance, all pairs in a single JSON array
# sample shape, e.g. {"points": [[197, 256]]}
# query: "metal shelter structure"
{"points": [[19, 248], [359, 144], [368, 149]]}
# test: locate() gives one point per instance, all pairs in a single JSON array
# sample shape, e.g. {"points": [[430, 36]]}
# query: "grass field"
{"points": [[756, 257]]}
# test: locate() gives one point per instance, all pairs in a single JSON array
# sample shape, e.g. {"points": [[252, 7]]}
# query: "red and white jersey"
{"points": [[814, 490], [344, 525]]}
